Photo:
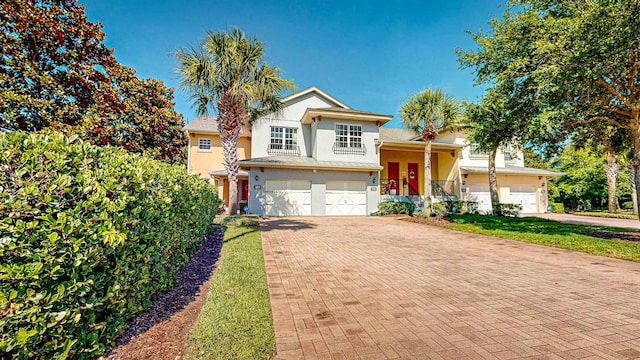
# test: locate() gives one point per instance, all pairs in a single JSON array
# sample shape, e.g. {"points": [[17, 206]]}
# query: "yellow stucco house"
{"points": [[204, 155], [458, 171], [390, 169]]}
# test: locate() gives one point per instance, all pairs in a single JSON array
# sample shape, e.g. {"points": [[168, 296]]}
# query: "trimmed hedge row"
{"points": [[395, 207], [87, 236]]}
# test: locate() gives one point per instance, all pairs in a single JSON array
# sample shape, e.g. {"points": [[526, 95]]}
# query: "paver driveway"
{"points": [[376, 288]]}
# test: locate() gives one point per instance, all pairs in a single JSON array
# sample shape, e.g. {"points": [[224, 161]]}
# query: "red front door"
{"points": [[244, 189], [413, 179], [394, 178]]}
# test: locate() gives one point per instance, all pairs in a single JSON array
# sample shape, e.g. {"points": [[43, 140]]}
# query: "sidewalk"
{"points": [[590, 220]]}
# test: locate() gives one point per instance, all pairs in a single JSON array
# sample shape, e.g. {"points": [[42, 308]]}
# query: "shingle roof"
{"points": [[306, 162], [397, 134], [209, 124]]}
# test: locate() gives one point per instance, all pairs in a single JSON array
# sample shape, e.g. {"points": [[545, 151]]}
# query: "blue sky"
{"points": [[370, 55]]}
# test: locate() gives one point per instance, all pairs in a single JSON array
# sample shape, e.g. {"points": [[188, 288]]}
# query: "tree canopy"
{"points": [[55, 71], [575, 61]]}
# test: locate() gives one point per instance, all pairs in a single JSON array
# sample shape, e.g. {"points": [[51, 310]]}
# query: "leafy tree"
{"points": [[51, 64], [142, 120], [227, 75], [581, 59], [584, 184], [429, 112], [491, 128], [56, 72]]}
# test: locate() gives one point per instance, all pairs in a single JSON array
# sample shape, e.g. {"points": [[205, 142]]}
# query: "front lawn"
{"points": [[236, 322], [550, 233]]}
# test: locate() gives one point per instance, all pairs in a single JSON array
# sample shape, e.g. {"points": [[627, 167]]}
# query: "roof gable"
{"points": [[316, 91]]}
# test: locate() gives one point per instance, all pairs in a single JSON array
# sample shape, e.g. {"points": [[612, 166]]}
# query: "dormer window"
{"points": [[284, 141], [349, 140]]}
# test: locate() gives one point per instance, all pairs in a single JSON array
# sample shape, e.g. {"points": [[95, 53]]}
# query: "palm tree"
{"points": [[429, 112], [227, 75]]}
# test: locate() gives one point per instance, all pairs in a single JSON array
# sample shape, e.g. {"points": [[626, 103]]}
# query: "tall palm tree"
{"points": [[429, 112], [227, 75]]}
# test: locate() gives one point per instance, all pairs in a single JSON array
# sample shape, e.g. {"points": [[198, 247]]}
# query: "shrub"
{"points": [[627, 205], [504, 209], [396, 207], [461, 206], [557, 208], [87, 236]]}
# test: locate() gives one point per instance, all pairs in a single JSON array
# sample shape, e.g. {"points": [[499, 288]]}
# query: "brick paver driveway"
{"points": [[376, 288]]}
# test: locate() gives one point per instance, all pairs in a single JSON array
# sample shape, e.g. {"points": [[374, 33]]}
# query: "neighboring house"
{"points": [[320, 157], [458, 171], [204, 155]]}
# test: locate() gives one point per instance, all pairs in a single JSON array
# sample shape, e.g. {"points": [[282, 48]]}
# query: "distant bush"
{"points": [[460, 206], [87, 236], [504, 209], [396, 207], [628, 205], [557, 208]]}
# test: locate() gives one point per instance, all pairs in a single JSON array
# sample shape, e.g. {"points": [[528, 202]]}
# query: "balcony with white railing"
{"points": [[283, 150]]}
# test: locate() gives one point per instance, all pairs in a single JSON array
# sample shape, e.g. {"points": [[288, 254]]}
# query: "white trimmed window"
{"points": [[475, 152], [348, 136], [283, 138], [204, 144]]}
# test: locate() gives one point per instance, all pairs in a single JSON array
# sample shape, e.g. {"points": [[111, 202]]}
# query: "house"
{"points": [[458, 171], [204, 155], [316, 157], [320, 157]]}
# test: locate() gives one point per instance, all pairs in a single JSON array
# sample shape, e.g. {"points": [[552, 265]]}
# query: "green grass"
{"points": [[549, 233], [236, 321], [618, 215]]}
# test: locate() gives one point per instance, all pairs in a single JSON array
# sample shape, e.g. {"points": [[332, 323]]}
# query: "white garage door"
{"points": [[288, 198], [481, 195], [346, 198], [525, 196]]}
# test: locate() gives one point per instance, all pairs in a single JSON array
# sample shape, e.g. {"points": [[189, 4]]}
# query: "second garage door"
{"points": [[525, 196], [346, 198], [288, 198], [480, 195]]}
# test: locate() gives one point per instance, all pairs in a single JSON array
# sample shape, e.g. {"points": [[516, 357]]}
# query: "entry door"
{"points": [[244, 189], [413, 179], [394, 177]]}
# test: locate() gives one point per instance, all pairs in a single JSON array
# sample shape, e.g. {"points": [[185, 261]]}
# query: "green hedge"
{"points": [[557, 208], [504, 209], [87, 236], [396, 207]]}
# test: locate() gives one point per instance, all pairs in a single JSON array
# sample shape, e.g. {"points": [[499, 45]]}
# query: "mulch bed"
{"points": [[610, 235], [434, 221], [161, 332]]}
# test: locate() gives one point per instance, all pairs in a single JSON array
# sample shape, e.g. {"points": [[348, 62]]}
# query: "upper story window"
{"points": [[509, 154], [284, 141], [476, 153], [349, 140], [204, 144]]}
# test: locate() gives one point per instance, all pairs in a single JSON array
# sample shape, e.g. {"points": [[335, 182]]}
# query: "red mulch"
{"points": [[433, 221], [611, 235], [162, 331]]}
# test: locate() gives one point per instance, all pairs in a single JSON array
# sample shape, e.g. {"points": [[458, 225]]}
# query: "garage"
{"points": [[346, 198], [480, 194], [288, 198], [525, 196]]}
